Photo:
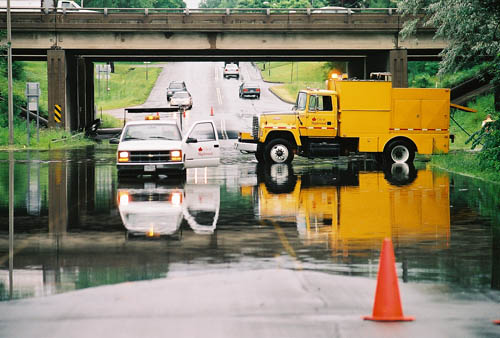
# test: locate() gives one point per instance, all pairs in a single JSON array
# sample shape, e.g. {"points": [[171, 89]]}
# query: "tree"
{"points": [[472, 31], [471, 28]]}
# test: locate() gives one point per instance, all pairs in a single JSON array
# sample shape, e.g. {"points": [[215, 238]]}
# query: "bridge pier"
{"points": [[398, 67], [394, 61], [85, 97], [57, 87], [70, 90]]}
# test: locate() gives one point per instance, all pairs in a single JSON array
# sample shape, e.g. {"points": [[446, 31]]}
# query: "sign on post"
{"points": [[57, 113], [33, 95]]}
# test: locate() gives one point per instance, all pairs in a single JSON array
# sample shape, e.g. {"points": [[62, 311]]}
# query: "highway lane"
{"points": [[212, 92]]}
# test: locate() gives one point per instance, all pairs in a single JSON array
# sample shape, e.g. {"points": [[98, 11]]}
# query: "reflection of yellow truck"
{"points": [[364, 213], [354, 116]]}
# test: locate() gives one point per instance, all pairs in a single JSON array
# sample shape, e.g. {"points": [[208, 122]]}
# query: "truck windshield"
{"points": [[152, 131], [301, 101]]}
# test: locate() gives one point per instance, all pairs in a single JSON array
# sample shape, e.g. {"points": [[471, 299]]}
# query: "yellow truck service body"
{"points": [[354, 116]]}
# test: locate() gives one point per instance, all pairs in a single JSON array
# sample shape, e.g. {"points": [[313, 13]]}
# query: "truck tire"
{"points": [[399, 151], [278, 151], [259, 155]]}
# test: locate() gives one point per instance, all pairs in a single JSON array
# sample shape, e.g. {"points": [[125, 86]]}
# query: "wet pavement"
{"points": [[268, 251]]}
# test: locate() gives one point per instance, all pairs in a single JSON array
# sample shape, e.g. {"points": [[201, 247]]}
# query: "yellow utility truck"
{"points": [[354, 116]]}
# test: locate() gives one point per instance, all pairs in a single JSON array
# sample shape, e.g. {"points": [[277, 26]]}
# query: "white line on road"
{"points": [[219, 96], [223, 129], [216, 70]]}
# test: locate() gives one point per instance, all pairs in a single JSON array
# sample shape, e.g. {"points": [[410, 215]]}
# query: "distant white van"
{"points": [[41, 5]]}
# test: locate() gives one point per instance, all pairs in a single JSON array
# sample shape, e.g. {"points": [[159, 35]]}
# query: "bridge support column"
{"points": [[85, 96], [398, 66], [57, 104]]}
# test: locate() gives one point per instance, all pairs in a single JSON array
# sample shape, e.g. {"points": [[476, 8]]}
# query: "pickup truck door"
{"points": [[201, 145], [321, 117]]}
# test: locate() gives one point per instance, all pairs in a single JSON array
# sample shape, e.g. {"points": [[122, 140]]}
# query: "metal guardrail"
{"points": [[206, 20], [189, 11]]}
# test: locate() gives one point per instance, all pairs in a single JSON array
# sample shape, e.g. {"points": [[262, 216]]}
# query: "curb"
{"points": [[279, 97]]}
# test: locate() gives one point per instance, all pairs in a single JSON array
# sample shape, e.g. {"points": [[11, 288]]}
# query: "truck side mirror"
{"points": [[114, 140]]}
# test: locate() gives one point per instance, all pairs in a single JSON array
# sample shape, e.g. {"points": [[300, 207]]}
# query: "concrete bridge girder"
{"points": [[140, 41]]}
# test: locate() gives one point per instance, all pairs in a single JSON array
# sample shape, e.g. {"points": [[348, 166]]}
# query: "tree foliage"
{"points": [[471, 28], [472, 31]]}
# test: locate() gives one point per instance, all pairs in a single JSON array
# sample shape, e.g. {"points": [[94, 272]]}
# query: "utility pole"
{"points": [[9, 66]]}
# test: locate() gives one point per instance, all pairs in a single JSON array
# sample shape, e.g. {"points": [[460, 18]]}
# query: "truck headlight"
{"points": [[123, 156], [176, 155]]}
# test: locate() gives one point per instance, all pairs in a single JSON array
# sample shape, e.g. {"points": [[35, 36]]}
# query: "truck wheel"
{"points": [[399, 151], [278, 151]]}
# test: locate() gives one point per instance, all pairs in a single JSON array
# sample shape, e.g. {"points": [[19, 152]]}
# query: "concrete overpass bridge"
{"points": [[71, 42]]}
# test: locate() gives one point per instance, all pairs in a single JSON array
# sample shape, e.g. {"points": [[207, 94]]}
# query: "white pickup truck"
{"points": [[157, 146], [41, 5]]}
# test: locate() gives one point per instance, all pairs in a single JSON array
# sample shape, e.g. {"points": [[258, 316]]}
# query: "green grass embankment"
{"points": [[293, 76], [127, 87]]}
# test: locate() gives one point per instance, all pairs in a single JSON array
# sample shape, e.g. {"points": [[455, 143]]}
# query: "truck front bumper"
{"points": [[246, 147]]}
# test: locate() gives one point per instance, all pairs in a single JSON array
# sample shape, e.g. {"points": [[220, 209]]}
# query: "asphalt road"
{"points": [[211, 92]]}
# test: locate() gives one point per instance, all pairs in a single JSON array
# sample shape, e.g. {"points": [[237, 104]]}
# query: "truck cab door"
{"points": [[201, 145], [321, 116]]}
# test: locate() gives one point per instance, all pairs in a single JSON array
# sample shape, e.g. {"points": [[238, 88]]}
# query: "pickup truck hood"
{"points": [[149, 145]]}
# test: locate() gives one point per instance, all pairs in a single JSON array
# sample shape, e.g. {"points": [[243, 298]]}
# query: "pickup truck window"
{"points": [[203, 132], [301, 101], [149, 131]]}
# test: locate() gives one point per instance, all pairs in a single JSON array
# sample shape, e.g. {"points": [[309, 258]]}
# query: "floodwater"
{"points": [[76, 226]]}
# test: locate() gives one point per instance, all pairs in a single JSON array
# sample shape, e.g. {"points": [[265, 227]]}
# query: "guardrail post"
{"points": [[146, 11], [228, 11], [105, 12]]}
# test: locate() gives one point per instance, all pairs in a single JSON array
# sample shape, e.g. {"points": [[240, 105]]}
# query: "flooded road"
{"points": [[76, 226]]}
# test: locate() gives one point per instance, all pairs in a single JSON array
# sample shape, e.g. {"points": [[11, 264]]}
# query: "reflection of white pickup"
{"points": [[155, 210], [41, 5]]}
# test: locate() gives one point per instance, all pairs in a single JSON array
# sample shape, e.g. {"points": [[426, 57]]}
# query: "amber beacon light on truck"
{"points": [[353, 116]]}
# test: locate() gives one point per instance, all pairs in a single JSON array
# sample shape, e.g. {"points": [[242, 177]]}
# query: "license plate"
{"points": [[149, 168]]}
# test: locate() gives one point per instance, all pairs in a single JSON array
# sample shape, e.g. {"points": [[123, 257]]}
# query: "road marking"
{"points": [[223, 129], [216, 69], [219, 96], [286, 245]]}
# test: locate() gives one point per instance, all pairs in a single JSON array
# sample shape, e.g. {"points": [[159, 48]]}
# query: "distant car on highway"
{"points": [[231, 70], [182, 99], [154, 147], [249, 89], [175, 86]]}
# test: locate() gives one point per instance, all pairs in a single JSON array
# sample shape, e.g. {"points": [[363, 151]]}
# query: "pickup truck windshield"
{"points": [[152, 131]]}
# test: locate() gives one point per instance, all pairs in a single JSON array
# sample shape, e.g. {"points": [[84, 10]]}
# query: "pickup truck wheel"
{"points": [[399, 151], [278, 151]]}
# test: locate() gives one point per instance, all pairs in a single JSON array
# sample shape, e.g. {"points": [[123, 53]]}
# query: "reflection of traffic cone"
{"points": [[184, 113], [211, 111], [387, 306]]}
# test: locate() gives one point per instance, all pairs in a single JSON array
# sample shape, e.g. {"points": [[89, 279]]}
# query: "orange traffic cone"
{"points": [[496, 322], [211, 111], [387, 306], [184, 113]]}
